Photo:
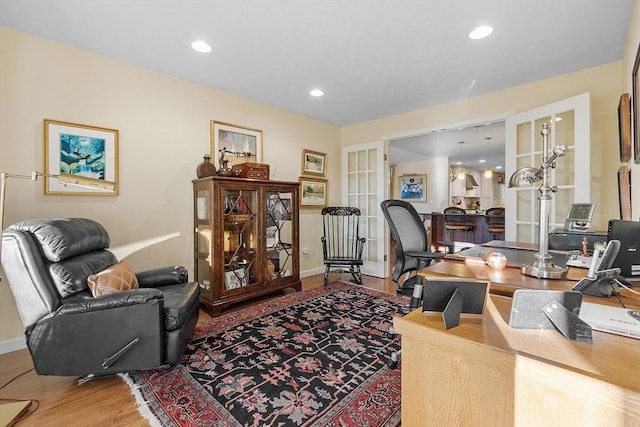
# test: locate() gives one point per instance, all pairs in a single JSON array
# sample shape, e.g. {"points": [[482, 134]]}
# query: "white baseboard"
{"points": [[12, 345]]}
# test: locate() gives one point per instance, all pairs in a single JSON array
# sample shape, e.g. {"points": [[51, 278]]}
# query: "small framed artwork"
{"points": [[635, 86], [412, 188], [234, 279], [82, 150], [314, 163], [235, 144], [314, 192], [624, 127], [624, 192]]}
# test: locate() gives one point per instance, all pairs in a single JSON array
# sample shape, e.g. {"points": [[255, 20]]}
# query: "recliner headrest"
{"points": [[61, 238]]}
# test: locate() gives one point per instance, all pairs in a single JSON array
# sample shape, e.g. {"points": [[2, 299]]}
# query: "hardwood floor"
{"points": [[62, 401]]}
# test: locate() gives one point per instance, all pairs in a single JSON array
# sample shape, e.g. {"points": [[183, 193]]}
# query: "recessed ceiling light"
{"points": [[480, 32], [201, 46], [482, 161], [316, 92], [498, 167]]}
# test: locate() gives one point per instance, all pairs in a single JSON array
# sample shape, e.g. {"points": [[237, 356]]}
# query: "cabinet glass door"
{"points": [[203, 239], [279, 235], [240, 238]]}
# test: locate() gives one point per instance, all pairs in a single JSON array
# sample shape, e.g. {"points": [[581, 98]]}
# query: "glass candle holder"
{"points": [[497, 260]]}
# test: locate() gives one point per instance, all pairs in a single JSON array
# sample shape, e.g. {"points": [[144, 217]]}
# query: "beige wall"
{"points": [[631, 49], [604, 84], [164, 132]]}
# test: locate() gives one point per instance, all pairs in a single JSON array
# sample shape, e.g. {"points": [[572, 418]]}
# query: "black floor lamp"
{"points": [[10, 411]]}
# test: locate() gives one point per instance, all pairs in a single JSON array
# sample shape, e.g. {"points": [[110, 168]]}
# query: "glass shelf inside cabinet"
{"points": [[279, 235], [240, 238]]}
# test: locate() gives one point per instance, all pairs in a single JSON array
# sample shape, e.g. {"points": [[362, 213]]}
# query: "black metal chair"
{"points": [[494, 218], [455, 219], [412, 252], [411, 244], [342, 245]]}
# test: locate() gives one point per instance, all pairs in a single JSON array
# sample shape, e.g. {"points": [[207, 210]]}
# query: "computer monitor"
{"points": [[628, 258], [579, 216]]}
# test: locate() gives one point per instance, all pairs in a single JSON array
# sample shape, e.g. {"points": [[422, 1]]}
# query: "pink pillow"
{"points": [[119, 277]]}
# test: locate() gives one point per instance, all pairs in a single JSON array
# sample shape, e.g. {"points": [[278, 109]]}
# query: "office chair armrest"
{"points": [[425, 254]]}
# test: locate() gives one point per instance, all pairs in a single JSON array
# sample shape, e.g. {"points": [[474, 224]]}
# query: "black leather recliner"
{"points": [[71, 332]]}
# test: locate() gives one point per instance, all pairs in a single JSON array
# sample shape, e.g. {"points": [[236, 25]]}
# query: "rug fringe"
{"points": [[142, 405]]}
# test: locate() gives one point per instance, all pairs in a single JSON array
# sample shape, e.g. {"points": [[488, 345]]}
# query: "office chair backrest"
{"points": [[407, 231]]}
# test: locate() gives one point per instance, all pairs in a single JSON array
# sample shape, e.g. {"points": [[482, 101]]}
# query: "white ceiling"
{"points": [[372, 58]]}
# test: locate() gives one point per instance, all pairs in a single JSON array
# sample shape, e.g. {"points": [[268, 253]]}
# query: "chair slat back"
{"points": [[341, 232]]}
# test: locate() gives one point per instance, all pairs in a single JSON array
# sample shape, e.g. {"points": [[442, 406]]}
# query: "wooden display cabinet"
{"points": [[246, 239]]}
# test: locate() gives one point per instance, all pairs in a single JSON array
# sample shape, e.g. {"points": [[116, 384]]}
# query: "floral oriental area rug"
{"points": [[313, 358]]}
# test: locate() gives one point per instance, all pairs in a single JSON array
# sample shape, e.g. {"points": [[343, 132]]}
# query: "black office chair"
{"points": [[412, 253], [341, 242], [412, 247]]}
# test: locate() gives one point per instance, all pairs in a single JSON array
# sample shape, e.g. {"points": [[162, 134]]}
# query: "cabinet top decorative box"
{"points": [[251, 170]]}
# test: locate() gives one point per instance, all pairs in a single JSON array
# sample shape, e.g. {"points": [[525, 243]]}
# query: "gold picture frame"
{"points": [[314, 163], [412, 188], [314, 192], [82, 150], [238, 144]]}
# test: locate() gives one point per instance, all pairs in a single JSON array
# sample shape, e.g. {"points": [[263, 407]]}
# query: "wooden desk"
{"points": [[485, 373]]}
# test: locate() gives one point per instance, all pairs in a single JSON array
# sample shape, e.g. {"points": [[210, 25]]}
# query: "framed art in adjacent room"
{"points": [[82, 150], [412, 188], [624, 127], [314, 163], [314, 192], [624, 192], [635, 86], [237, 144]]}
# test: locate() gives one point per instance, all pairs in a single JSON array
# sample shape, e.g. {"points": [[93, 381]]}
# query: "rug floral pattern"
{"points": [[314, 358]]}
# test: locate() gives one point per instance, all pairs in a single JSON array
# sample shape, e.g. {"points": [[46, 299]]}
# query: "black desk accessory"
{"points": [[601, 280], [453, 297], [628, 258], [533, 309]]}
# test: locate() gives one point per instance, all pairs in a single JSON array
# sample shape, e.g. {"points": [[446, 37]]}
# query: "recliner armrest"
{"points": [[110, 301], [163, 276]]}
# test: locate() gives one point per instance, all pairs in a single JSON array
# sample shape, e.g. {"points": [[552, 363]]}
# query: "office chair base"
{"points": [[395, 359]]}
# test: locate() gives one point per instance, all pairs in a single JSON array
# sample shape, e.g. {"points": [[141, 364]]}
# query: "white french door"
{"points": [[570, 124], [363, 187]]}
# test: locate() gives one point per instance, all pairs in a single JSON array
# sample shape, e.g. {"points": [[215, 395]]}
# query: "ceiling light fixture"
{"points": [[480, 32], [201, 46], [316, 92]]}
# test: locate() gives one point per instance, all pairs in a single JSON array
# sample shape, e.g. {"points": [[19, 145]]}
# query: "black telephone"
{"points": [[601, 280]]}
